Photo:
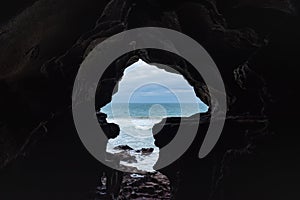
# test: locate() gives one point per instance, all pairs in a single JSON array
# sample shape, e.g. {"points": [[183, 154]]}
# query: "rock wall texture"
{"points": [[255, 45]]}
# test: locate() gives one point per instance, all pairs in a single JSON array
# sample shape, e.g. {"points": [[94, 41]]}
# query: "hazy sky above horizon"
{"points": [[144, 83]]}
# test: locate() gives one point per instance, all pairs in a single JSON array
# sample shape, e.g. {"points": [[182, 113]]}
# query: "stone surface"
{"points": [[255, 45], [149, 186]]}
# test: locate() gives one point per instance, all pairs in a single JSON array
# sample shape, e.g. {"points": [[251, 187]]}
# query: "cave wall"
{"points": [[254, 44]]}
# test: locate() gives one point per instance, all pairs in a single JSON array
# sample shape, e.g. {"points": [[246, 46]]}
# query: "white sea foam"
{"points": [[136, 128]]}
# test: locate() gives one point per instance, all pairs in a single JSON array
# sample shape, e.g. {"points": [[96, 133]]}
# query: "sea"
{"points": [[136, 121]]}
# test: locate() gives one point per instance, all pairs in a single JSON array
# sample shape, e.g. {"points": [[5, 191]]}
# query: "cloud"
{"points": [[144, 80]]}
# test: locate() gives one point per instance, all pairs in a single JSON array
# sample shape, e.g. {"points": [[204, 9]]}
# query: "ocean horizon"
{"points": [[136, 121], [153, 109]]}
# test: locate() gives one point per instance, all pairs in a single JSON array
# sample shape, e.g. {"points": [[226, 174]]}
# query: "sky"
{"points": [[144, 83]]}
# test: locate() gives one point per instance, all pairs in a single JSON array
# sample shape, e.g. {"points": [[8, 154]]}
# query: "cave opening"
{"points": [[144, 96]]}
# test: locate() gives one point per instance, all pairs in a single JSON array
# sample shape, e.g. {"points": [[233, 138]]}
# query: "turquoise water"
{"points": [[136, 120], [145, 110]]}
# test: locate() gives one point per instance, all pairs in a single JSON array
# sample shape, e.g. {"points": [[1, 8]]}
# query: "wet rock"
{"points": [[123, 147], [148, 186], [145, 151]]}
